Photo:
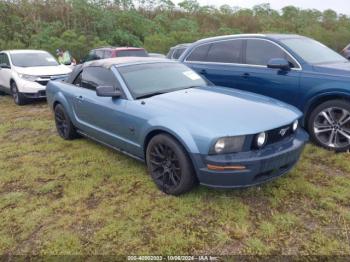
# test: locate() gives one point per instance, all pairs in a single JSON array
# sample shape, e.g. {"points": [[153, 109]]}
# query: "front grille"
{"points": [[275, 135], [42, 82], [278, 134]]}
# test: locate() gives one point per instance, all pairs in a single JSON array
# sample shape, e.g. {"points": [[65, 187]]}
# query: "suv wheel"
{"points": [[329, 125], [17, 96], [169, 165], [64, 126]]}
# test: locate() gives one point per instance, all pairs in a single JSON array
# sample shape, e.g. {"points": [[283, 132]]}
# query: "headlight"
{"points": [[230, 144], [295, 125], [28, 77], [260, 139]]}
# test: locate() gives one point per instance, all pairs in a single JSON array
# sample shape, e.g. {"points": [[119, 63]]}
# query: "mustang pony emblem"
{"points": [[283, 131]]}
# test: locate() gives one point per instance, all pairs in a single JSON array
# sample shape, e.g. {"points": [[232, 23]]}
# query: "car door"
{"points": [[258, 78], [220, 62], [102, 118], [5, 73]]}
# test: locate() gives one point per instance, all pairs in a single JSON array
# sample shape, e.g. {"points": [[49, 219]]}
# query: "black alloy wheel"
{"points": [[64, 126], [169, 165]]}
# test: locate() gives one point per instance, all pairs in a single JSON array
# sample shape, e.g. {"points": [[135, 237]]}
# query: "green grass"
{"points": [[59, 197]]}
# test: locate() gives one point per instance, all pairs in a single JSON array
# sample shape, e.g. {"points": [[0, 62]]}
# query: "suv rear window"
{"points": [[141, 53], [228, 51]]}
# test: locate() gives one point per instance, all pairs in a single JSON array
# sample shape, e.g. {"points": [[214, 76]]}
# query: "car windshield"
{"points": [[312, 51], [140, 52], [145, 80], [33, 59]]}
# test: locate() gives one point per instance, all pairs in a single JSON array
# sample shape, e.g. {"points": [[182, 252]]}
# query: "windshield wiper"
{"points": [[150, 95]]}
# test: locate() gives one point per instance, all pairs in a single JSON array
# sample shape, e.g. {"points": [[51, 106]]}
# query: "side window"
{"points": [[4, 59], [77, 81], [99, 54], [259, 52], [178, 52], [91, 56], [199, 53], [225, 52], [93, 77], [107, 54]]}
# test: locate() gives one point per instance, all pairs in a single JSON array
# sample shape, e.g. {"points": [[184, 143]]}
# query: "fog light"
{"points": [[261, 139], [295, 125]]}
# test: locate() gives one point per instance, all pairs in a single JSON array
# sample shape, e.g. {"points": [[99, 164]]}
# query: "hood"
{"points": [[341, 68], [220, 111], [44, 70]]}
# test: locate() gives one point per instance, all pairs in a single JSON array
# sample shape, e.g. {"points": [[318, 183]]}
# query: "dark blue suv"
{"points": [[292, 68]]}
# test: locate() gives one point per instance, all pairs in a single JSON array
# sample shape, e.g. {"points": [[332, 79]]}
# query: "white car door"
{"points": [[5, 71]]}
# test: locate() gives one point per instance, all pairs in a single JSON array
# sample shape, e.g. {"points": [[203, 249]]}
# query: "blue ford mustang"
{"points": [[186, 130], [292, 68]]}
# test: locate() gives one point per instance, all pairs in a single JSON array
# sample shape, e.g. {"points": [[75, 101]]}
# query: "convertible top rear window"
{"points": [[150, 78]]}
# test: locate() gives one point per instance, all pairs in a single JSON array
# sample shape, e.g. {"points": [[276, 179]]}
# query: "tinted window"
{"points": [[141, 53], [199, 53], [91, 56], [259, 52], [178, 52], [146, 79], [4, 59], [107, 54], [97, 76], [77, 80], [225, 52], [33, 59], [99, 54], [170, 53]]}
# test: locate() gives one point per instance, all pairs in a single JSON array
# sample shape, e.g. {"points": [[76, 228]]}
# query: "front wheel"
{"points": [[169, 165], [329, 125], [17, 96], [64, 126]]}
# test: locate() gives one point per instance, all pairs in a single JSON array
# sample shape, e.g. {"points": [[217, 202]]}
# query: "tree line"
{"points": [[80, 25]]}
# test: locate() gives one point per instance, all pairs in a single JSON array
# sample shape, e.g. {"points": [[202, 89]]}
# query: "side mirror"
{"points": [[5, 66], [108, 91], [278, 63]]}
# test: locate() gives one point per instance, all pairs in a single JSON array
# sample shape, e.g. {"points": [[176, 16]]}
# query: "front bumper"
{"points": [[260, 165], [37, 95]]}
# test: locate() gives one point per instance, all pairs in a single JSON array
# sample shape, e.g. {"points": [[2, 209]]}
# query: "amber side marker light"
{"points": [[224, 168]]}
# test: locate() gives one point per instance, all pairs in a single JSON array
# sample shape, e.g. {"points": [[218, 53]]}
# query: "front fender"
{"points": [[180, 132], [323, 96]]}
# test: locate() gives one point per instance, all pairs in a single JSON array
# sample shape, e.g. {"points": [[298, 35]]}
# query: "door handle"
{"points": [[203, 71], [245, 75], [80, 98]]}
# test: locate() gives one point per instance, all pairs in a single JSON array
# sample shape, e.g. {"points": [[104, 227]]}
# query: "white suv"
{"points": [[25, 73]]}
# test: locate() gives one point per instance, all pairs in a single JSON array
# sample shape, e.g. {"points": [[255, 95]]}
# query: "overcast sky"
{"points": [[340, 6]]}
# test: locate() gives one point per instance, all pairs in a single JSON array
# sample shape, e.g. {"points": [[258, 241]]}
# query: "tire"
{"points": [[17, 96], [169, 165], [329, 125], [64, 126]]}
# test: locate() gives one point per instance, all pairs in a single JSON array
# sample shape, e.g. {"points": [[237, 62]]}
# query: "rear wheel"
{"points": [[169, 165], [64, 126], [17, 96], [329, 125]]}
